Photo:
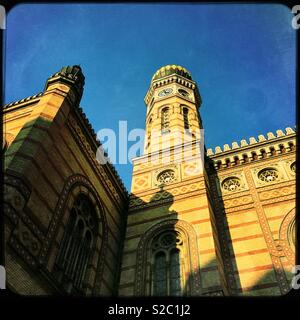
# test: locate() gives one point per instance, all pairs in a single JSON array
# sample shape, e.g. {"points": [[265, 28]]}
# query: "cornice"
{"points": [[171, 79], [23, 101]]}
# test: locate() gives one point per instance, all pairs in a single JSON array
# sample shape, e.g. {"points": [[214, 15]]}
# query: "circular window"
{"points": [[165, 177], [168, 239], [268, 175], [291, 233], [293, 167], [231, 184]]}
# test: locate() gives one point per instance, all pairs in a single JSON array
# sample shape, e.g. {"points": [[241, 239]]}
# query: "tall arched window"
{"points": [[185, 112], [149, 132], [167, 269], [75, 249], [245, 158], [165, 120]]}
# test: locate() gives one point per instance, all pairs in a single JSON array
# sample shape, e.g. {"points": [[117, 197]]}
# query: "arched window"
{"points": [[167, 270], [228, 163], [282, 148], [254, 156], [185, 112], [245, 158], [236, 161], [165, 121], [263, 153], [292, 146], [75, 249], [273, 151]]}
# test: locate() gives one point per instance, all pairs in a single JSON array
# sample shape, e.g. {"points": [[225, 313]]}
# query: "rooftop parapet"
{"points": [[252, 141]]}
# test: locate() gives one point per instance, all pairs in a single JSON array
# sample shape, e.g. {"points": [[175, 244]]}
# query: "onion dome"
{"points": [[169, 70]]}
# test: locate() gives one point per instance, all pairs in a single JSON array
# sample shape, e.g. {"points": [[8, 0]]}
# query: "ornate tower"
{"points": [[171, 245]]}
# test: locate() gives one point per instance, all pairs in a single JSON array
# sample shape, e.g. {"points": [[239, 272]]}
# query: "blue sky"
{"points": [[242, 57]]}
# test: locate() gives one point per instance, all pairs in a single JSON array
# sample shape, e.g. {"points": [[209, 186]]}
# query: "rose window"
{"points": [[166, 177], [268, 175], [231, 184], [293, 167]]}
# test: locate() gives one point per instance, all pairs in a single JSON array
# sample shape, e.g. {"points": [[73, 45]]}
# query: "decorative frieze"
{"points": [[256, 149]]}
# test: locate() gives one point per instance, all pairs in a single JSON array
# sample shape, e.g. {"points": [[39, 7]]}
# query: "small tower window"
{"points": [[185, 112], [165, 120], [149, 132]]}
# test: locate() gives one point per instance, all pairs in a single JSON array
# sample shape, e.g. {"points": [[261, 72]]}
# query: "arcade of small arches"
{"points": [[254, 155]]}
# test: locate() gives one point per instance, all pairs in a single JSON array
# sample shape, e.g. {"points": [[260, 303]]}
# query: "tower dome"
{"points": [[171, 69]]}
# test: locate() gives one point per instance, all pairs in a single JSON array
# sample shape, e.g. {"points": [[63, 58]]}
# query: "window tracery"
{"points": [[268, 175], [75, 249], [167, 271], [231, 184], [166, 177]]}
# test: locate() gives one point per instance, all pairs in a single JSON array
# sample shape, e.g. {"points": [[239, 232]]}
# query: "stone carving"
{"points": [[238, 201], [96, 165], [231, 184], [26, 238], [268, 175], [287, 233], [279, 192], [166, 177]]}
